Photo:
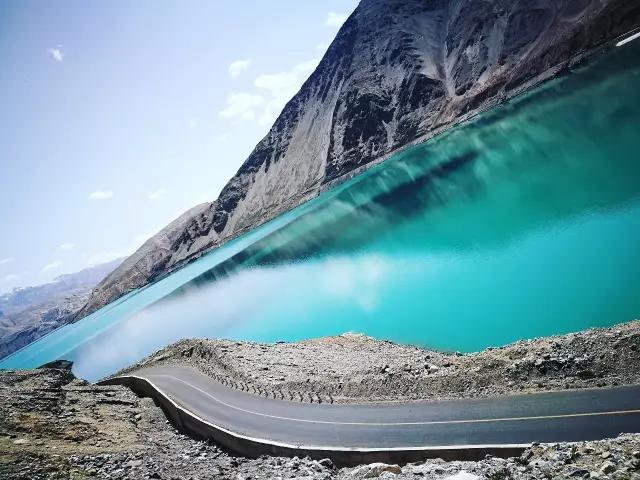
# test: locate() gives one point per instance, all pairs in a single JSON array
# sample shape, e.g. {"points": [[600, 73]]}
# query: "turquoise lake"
{"points": [[521, 223]]}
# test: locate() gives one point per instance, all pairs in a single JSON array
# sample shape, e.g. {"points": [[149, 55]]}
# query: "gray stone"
{"points": [[608, 467], [463, 475], [326, 462], [375, 470], [580, 473]]}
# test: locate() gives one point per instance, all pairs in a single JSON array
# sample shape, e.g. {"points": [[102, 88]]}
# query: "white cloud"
{"points": [[278, 88], [222, 137], [239, 66], [8, 278], [103, 257], [101, 195], [281, 82], [52, 266], [242, 105], [281, 87], [157, 194], [322, 46], [56, 53], [335, 19], [67, 246], [4, 261]]}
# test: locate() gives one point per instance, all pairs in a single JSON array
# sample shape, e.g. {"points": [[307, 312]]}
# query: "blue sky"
{"points": [[115, 117]]}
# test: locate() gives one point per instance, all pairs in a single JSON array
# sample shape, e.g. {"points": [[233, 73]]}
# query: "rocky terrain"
{"points": [[54, 426], [354, 367], [27, 314], [397, 73], [22, 328]]}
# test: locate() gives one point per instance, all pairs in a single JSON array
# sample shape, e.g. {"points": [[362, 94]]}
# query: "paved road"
{"points": [[509, 420]]}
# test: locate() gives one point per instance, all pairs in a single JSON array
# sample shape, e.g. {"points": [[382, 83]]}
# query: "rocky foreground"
{"points": [[354, 367], [54, 426]]}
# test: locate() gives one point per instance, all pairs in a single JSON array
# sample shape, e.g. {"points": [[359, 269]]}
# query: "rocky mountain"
{"points": [[23, 298], [27, 314], [397, 73]]}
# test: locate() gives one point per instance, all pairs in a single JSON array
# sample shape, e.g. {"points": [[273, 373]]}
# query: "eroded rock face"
{"points": [[398, 72]]}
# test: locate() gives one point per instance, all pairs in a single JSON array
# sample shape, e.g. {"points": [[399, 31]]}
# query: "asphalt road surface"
{"points": [[508, 420]]}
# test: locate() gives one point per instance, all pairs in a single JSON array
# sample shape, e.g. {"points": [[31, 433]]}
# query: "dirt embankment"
{"points": [[355, 368]]}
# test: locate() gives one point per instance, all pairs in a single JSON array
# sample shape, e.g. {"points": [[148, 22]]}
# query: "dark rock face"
{"points": [[58, 365], [398, 72]]}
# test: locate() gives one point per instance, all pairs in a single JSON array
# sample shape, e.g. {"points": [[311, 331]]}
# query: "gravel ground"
{"points": [[356, 368], [53, 426]]}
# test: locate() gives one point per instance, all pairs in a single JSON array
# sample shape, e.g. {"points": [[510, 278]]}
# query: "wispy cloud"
{"points": [[239, 66], [335, 19], [52, 266], [9, 277], [157, 194], [242, 105], [4, 261], [222, 137], [56, 53], [67, 246], [281, 87], [97, 258], [101, 195], [277, 88]]}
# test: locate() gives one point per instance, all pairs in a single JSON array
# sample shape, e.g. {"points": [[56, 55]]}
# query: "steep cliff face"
{"points": [[398, 72]]}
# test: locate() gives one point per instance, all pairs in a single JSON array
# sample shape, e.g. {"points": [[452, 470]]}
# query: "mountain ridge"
{"points": [[29, 313], [397, 73]]}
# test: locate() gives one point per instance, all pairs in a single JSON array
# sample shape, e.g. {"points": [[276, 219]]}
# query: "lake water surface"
{"points": [[521, 223]]}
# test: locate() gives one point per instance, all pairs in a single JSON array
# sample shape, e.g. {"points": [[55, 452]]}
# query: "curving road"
{"points": [[508, 421]]}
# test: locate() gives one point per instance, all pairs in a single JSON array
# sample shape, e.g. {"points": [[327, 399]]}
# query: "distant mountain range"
{"points": [[397, 73], [28, 313]]}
